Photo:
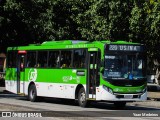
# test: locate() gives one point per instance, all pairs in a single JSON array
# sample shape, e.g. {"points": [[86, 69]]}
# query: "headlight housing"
{"points": [[144, 90], [108, 89]]}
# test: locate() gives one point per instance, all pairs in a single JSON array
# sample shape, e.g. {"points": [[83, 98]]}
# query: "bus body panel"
{"points": [[58, 90], [61, 90], [62, 82], [107, 96]]}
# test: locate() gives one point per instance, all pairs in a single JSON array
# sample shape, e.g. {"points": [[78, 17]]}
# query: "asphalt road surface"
{"points": [[61, 109], [65, 109]]}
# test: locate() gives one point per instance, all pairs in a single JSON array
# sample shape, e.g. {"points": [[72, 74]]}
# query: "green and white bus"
{"points": [[79, 70]]}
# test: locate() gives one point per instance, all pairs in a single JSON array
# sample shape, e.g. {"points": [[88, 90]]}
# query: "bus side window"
{"points": [[66, 59], [53, 61], [31, 59], [42, 59], [79, 58], [11, 63]]}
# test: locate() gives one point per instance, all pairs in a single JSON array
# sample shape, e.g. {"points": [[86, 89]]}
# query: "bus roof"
{"points": [[65, 42], [68, 44]]}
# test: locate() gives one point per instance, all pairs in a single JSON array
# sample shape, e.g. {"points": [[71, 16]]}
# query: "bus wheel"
{"points": [[32, 93], [120, 104], [82, 98]]}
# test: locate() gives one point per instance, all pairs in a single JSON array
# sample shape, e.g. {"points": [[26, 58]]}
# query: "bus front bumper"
{"points": [[107, 96]]}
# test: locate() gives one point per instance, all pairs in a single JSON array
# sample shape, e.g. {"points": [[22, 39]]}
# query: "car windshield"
{"points": [[124, 66]]}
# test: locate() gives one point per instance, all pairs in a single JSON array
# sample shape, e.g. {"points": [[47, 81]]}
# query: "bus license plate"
{"points": [[128, 96]]}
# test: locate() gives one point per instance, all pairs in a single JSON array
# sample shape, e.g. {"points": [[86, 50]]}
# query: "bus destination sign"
{"points": [[124, 48]]}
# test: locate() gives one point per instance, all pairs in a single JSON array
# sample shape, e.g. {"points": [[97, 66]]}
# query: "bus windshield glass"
{"points": [[124, 66]]}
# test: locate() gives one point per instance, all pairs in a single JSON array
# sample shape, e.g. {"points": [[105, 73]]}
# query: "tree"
{"points": [[35, 21], [144, 26]]}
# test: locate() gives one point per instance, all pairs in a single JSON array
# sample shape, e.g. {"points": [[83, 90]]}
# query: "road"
{"points": [[61, 109]]}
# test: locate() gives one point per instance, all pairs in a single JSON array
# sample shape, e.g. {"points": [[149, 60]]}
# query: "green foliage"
{"points": [[24, 22], [145, 26], [104, 20]]}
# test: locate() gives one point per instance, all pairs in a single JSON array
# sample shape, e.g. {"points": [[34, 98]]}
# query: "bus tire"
{"points": [[82, 98], [32, 93], [119, 104]]}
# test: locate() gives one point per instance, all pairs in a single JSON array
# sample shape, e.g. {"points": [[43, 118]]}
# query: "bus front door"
{"points": [[20, 74], [93, 74]]}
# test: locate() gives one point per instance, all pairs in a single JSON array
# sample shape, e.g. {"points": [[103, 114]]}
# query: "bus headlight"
{"points": [[108, 89], [144, 90]]}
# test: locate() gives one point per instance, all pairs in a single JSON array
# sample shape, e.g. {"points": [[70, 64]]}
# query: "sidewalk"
{"points": [[153, 87], [153, 91], [148, 103], [2, 89]]}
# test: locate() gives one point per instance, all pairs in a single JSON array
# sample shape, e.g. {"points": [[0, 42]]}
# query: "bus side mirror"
{"points": [[102, 63], [102, 70]]}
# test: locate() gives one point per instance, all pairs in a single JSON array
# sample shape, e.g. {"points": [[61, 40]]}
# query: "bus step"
{"points": [[91, 98], [21, 94]]}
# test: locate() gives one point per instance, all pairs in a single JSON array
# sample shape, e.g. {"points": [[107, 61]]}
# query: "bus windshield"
{"points": [[124, 66]]}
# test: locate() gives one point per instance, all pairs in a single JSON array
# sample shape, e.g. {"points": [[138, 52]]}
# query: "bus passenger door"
{"points": [[20, 72], [93, 80]]}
